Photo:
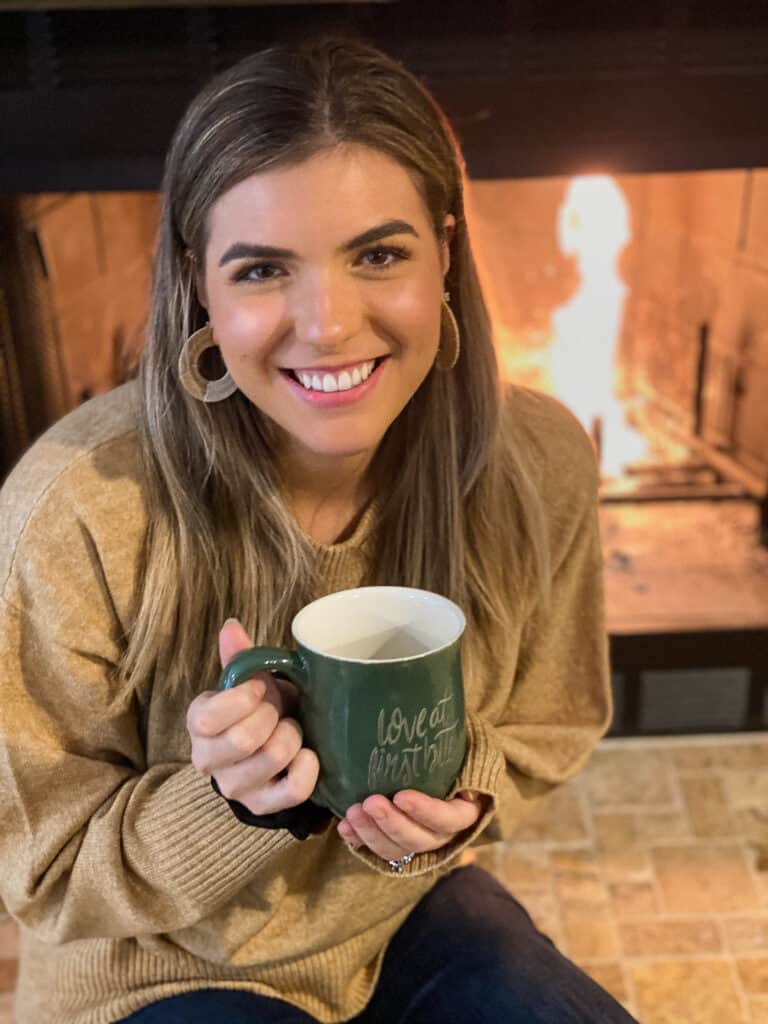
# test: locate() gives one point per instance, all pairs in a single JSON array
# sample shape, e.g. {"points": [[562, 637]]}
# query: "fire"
{"points": [[593, 227]]}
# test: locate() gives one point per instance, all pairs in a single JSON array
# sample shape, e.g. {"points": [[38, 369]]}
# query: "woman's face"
{"points": [[323, 284]]}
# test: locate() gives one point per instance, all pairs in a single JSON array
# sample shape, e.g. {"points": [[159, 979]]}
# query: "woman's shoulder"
{"points": [[99, 436], [83, 473], [551, 442]]}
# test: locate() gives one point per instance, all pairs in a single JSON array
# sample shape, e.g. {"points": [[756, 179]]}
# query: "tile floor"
{"points": [[650, 870]]}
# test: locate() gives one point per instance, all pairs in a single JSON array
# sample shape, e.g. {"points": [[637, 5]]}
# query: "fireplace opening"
{"points": [[639, 300]]}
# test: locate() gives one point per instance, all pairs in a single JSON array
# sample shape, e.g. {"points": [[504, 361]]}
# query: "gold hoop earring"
{"points": [[450, 338], [192, 380]]}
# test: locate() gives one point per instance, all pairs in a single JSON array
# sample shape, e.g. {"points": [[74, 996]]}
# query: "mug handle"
{"points": [[259, 659]]}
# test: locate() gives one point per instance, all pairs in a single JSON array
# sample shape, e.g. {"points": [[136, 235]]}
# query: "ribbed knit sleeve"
{"points": [[93, 840], [91, 844]]}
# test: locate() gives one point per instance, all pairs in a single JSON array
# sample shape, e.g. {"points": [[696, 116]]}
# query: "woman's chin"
{"points": [[331, 452]]}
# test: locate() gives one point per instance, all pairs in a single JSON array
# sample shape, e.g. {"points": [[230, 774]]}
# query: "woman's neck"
{"points": [[327, 495]]}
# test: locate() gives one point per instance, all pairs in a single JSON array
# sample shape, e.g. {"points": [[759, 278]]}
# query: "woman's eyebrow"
{"points": [[245, 250]]}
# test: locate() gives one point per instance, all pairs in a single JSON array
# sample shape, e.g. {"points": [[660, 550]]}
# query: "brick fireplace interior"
{"points": [[664, 357]]}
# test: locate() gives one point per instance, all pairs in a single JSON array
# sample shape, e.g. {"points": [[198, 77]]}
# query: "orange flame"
{"points": [[593, 227]]}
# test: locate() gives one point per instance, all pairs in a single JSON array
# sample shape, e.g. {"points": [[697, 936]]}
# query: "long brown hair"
{"points": [[456, 513]]}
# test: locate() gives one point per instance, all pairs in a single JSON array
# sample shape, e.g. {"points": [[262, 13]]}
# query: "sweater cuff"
{"points": [[480, 772], [303, 821], [187, 840]]}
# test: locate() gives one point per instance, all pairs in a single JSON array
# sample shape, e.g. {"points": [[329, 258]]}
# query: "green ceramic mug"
{"points": [[382, 698]]}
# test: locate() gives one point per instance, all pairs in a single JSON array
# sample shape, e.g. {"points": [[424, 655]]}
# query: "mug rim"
{"points": [[446, 601]]}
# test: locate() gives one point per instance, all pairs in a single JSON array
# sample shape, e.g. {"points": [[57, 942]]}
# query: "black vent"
{"points": [[731, 52], [714, 14], [89, 97], [14, 68], [241, 30], [597, 55], [120, 47], [604, 15]]}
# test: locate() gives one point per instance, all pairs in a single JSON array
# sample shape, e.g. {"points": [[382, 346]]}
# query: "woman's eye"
{"points": [[258, 272], [383, 257], [379, 258]]}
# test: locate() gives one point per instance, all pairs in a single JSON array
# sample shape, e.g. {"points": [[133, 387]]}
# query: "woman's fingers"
{"points": [[277, 794], [444, 817], [241, 740], [263, 765], [245, 740], [214, 711], [282, 693], [297, 784], [388, 832], [232, 640], [277, 754]]}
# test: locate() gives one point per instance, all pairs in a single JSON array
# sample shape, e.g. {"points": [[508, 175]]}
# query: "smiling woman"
{"points": [[321, 310], [318, 409], [350, 375]]}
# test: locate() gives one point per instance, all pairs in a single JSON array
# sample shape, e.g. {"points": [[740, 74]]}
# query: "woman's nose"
{"points": [[327, 311]]}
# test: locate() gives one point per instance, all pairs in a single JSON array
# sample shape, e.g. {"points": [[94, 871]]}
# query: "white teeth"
{"points": [[341, 382]]}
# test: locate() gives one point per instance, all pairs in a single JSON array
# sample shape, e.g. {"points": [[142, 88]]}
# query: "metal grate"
{"points": [[131, 48], [709, 681], [89, 97], [591, 39], [725, 52], [714, 14], [605, 15], [14, 66], [700, 700]]}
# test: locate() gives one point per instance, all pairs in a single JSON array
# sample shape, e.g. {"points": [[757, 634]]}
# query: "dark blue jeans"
{"points": [[468, 953]]}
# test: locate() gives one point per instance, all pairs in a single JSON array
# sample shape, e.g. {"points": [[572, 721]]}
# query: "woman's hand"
{"points": [[411, 822], [246, 740]]}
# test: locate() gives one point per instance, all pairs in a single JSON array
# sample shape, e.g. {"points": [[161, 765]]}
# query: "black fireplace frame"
{"points": [[89, 95]]}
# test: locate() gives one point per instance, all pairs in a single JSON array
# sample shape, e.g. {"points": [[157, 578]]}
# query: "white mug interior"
{"points": [[378, 624]]}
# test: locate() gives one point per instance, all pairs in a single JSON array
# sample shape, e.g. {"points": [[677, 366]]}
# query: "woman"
{"points": [[312, 414]]}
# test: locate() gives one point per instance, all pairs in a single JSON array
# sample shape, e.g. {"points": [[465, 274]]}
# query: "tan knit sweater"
{"points": [[131, 879]]}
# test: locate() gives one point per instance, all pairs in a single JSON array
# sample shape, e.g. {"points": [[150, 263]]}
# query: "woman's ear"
{"points": [[198, 276]]}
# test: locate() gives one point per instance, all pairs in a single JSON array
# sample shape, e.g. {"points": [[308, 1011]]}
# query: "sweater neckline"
{"points": [[357, 538]]}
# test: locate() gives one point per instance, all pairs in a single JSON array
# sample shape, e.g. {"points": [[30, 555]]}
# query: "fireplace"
{"points": [[618, 164]]}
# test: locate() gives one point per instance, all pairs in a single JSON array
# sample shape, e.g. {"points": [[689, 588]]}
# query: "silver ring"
{"points": [[398, 865]]}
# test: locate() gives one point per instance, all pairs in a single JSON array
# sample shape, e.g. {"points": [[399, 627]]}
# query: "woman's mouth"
{"points": [[328, 381], [328, 387]]}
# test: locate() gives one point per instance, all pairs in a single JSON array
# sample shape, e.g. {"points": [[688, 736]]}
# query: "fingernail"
{"points": [[227, 621]]}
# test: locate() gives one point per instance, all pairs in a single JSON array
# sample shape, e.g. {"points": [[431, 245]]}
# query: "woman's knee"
{"points": [[481, 910], [490, 991], [496, 965]]}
